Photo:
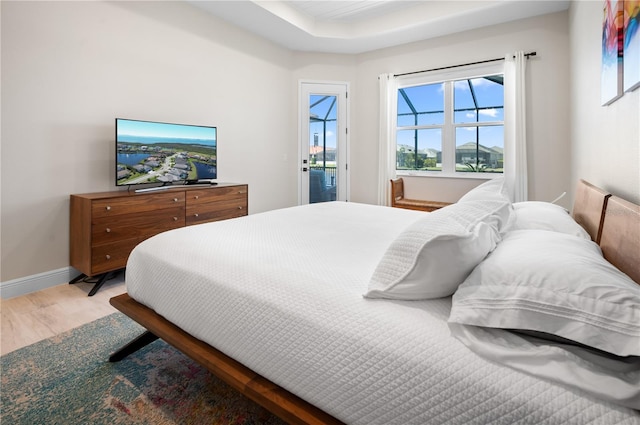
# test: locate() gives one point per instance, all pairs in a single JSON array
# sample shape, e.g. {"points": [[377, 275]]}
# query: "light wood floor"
{"points": [[40, 315]]}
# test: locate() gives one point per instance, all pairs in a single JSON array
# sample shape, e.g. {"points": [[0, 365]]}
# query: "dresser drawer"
{"points": [[107, 230], [136, 204], [195, 197], [113, 256], [213, 205], [216, 211]]}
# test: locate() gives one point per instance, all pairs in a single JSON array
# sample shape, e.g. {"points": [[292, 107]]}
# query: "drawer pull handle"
{"points": [[108, 208], [108, 230], [196, 197], [240, 207], [108, 257], [175, 199], [242, 192], [175, 218], [196, 215]]}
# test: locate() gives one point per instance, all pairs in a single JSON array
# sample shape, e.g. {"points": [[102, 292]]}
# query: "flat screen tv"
{"points": [[165, 153]]}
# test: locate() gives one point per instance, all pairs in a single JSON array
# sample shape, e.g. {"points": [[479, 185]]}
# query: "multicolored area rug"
{"points": [[68, 380]]}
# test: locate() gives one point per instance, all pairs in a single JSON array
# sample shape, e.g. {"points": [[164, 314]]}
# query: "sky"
{"points": [[427, 98], [156, 129], [320, 110]]}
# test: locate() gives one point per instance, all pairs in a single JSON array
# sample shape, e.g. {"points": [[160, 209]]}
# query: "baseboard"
{"points": [[36, 282]]}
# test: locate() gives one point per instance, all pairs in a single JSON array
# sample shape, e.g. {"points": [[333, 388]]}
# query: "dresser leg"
{"points": [[97, 285], [77, 278], [103, 278]]}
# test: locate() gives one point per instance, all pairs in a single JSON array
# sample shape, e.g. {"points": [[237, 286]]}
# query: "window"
{"points": [[451, 126]]}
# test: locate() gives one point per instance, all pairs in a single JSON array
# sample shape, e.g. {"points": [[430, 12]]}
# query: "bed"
{"points": [[319, 314]]}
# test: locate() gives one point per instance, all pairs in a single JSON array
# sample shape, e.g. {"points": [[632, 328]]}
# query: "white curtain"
{"points": [[386, 148], [515, 126]]}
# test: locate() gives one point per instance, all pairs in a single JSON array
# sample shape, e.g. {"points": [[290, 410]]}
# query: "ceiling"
{"points": [[351, 27]]}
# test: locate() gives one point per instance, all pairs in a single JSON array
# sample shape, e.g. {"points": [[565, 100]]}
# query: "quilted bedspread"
{"points": [[282, 292]]}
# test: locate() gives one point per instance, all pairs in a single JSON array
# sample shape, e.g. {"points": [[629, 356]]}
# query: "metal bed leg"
{"points": [[140, 342]]}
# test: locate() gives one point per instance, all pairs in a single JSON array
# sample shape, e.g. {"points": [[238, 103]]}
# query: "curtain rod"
{"points": [[457, 66]]}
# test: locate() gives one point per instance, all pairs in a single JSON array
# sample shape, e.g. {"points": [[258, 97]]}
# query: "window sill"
{"points": [[437, 174]]}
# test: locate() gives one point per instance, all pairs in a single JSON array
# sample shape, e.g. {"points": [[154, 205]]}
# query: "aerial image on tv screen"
{"points": [[156, 152]]}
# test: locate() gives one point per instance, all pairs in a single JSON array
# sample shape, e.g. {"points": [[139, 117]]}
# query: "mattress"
{"points": [[282, 293]]}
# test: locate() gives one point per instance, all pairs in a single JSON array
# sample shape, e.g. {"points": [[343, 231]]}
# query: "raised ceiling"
{"points": [[360, 26]]}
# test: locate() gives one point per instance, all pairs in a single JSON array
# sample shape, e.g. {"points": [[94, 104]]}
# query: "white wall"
{"points": [[70, 68], [605, 140]]}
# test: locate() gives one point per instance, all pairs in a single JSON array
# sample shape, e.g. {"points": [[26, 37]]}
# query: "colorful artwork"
{"points": [[631, 44], [611, 73]]}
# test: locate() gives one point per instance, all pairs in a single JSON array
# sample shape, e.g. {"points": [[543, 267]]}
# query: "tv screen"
{"points": [[158, 152]]}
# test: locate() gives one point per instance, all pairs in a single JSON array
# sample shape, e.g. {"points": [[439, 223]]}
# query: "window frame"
{"points": [[448, 77]]}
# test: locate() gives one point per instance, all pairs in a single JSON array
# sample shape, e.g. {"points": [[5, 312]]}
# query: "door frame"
{"points": [[337, 88]]}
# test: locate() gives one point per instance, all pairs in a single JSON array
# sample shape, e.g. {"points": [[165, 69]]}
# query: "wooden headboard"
{"points": [[620, 236], [588, 208]]}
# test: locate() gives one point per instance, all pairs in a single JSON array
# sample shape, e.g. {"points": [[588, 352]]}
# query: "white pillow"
{"points": [[434, 255], [545, 216], [553, 283], [492, 190], [603, 375]]}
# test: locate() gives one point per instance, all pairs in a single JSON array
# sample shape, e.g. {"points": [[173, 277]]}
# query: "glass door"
{"points": [[323, 159]]}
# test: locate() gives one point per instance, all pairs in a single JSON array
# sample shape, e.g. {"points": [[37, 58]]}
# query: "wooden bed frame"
{"points": [[588, 208], [620, 236], [611, 221]]}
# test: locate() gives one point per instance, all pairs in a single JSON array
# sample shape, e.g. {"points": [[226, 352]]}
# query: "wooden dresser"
{"points": [[106, 226]]}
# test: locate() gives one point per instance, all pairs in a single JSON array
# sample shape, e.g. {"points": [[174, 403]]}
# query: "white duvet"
{"points": [[281, 292]]}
